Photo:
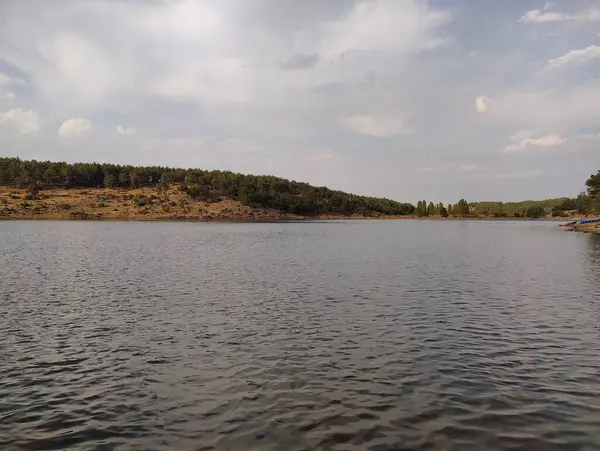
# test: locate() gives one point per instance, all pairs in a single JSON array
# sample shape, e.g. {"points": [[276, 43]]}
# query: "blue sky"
{"points": [[406, 99]]}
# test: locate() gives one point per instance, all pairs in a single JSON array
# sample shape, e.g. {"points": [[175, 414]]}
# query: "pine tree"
{"points": [[109, 180], [430, 209], [462, 208]]}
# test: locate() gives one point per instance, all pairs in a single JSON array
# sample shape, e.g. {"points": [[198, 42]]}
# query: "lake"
{"points": [[340, 335]]}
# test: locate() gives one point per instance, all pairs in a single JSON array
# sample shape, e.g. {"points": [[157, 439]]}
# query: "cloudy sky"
{"points": [[406, 99]]}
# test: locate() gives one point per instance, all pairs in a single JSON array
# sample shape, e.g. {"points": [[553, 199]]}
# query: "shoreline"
{"points": [[584, 228], [170, 204], [251, 219], [593, 229]]}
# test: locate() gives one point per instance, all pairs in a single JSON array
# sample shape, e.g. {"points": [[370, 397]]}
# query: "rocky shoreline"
{"points": [[585, 228]]}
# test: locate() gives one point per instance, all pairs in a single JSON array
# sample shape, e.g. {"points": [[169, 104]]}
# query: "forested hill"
{"points": [[260, 191]]}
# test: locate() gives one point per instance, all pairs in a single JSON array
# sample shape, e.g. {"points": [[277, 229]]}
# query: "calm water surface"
{"points": [[363, 335]]}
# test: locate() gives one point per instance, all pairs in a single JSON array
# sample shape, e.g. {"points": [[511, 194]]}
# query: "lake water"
{"points": [[351, 335]]}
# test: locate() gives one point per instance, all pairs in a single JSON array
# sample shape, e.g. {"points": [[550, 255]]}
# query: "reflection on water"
{"points": [[332, 336]]}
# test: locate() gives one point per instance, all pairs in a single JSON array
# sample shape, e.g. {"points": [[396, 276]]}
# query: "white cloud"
{"points": [[83, 71], [381, 127], [575, 57], [186, 19], [6, 80], [125, 130], [10, 96], [527, 143], [27, 122], [223, 80], [401, 26], [523, 134], [74, 128], [218, 57], [480, 105], [537, 16]]}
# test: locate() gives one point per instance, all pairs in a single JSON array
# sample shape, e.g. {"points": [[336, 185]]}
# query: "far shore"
{"points": [[284, 218], [147, 204]]}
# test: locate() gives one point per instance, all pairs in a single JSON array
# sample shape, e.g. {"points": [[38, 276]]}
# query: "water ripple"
{"points": [[395, 335]]}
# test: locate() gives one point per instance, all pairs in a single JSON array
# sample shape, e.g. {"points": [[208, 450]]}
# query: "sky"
{"points": [[405, 99]]}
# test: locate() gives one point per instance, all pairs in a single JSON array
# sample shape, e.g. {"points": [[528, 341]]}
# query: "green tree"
{"points": [[583, 204], [430, 209], [109, 181], [462, 208], [593, 189], [420, 210], [534, 212], [593, 184], [123, 177]]}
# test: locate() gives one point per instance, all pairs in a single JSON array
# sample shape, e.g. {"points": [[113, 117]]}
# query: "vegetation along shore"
{"points": [[58, 190]]}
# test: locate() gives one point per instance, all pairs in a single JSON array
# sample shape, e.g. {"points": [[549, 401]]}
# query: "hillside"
{"points": [[122, 204], [48, 189], [44, 189]]}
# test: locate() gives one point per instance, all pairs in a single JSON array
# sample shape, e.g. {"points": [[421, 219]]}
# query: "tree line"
{"points": [[260, 191], [584, 203], [274, 192], [461, 208]]}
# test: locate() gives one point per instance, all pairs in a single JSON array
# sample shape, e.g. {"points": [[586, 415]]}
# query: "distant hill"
{"points": [[257, 191], [152, 190], [558, 207]]}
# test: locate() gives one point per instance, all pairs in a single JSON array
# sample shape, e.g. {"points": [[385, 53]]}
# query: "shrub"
{"points": [[141, 200], [33, 192], [534, 212]]}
